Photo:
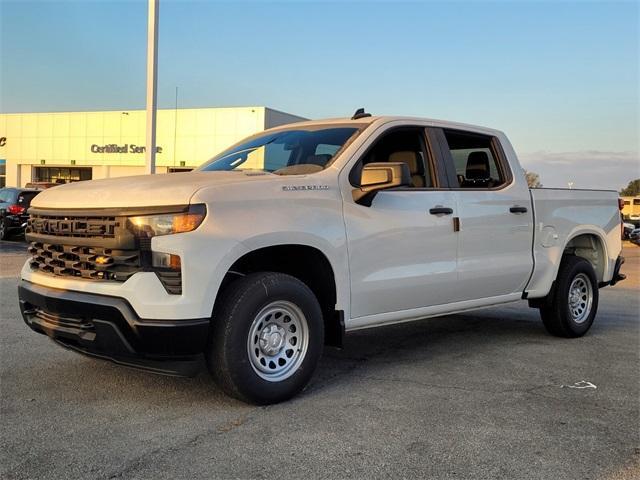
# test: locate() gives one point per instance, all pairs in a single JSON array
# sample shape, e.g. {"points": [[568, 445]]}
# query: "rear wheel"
{"points": [[574, 303], [266, 338]]}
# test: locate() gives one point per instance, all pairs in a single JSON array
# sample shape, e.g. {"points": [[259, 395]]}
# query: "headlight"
{"points": [[168, 223]]}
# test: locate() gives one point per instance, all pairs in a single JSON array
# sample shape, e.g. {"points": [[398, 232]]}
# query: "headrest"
{"points": [[408, 157], [321, 159], [478, 166]]}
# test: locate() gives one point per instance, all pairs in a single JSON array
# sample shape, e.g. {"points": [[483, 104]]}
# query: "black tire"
{"points": [[556, 314], [228, 355], [4, 234]]}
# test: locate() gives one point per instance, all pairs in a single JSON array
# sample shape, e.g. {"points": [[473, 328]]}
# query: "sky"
{"points": [[560, 78]]}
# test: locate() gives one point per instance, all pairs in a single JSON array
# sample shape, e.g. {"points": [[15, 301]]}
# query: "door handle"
{"points": [[441, 211], [517, 209]]}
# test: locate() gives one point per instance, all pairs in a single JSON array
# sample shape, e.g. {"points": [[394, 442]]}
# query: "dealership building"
{"points": [[72, 146]]}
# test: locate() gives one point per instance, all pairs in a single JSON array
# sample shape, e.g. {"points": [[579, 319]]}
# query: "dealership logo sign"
{"points": [[3, 141], [126, 148]]}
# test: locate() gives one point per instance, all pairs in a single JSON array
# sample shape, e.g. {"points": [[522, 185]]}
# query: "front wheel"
{"points": [[266, 338], [574, 304]]}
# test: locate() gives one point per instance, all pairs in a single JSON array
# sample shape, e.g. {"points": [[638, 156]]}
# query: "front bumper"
{"points": [[107, 327]]}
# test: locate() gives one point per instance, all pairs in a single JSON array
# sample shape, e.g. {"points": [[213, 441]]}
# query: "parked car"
{"points": [[634, 236], [296, 235], [631, 209], [14, 203], [43, 185], [634, 220], [627, 228]]}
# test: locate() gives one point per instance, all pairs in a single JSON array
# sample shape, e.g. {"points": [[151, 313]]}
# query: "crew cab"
{"points": [[292, 237]]}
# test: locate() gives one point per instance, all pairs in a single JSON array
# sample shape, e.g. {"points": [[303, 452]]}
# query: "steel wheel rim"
{"points": [[278, 341], [580, 298]]}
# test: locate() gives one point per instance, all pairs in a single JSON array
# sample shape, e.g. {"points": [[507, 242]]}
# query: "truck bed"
{"points": [[573, 217]]}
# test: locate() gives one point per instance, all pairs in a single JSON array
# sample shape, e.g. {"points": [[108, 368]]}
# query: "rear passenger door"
{"points": [[495, 216]]}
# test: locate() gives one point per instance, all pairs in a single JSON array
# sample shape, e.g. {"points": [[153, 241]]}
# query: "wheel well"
{"points": [[307, 264], [589, 247]]}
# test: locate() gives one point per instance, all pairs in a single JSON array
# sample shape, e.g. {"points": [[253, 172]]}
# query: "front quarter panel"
{"points": [[292, 209]]}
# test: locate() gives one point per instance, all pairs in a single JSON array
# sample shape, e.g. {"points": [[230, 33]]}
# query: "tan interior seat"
{"points": [[413, 162], [478, 173]]}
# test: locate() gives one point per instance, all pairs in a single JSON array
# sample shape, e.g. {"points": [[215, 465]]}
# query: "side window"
{"points": [[405, 145], [7, 196], [475, 159]]}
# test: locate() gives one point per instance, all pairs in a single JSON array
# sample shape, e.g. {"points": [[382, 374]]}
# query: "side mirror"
{"points": [[380, 176]]}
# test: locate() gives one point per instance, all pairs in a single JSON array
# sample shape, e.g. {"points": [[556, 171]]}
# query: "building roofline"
{"points": [[142, 110], [286, 113]]}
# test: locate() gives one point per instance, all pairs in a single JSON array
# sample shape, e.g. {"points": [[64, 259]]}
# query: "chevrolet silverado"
{"points": [[294, 236]]}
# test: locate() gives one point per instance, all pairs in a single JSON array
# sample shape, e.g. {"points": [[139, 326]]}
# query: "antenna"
{"points": [[360, 113]]}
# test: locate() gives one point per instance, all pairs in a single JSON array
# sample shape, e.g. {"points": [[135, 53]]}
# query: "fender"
{"points": [[335, 254], [548, 261]]}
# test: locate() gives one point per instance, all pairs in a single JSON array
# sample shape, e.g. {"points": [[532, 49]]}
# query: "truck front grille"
{"points": [[95, 245], [96, 263]]}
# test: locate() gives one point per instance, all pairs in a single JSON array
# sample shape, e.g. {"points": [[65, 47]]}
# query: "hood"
{"points": [[137, 191]]}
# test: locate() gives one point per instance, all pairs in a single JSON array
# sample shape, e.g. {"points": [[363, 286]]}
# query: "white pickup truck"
{"points": [[290, 238]]}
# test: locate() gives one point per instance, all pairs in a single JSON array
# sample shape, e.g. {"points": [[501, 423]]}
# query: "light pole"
{"points": [[175, 129], [152, 81], [121, 116]]}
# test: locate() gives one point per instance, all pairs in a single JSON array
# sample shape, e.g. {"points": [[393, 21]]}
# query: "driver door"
{"points": [[402, 248]]}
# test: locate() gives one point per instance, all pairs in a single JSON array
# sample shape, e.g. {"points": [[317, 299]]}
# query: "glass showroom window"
{"points": [[62, 174]]}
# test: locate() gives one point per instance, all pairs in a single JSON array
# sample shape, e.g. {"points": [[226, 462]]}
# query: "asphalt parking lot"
{"points": [[481, 395]]}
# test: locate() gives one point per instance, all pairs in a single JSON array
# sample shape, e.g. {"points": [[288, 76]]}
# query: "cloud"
{"points": [[586, 169]]}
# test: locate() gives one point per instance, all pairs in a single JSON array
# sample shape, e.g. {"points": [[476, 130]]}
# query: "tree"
{"points": [[533, 179], [632, 189]]}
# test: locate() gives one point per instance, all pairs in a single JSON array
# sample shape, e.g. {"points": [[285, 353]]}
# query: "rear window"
{"points": [[24, 199]]}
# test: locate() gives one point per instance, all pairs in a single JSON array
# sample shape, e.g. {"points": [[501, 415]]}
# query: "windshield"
{"points": [[286, 152]]}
